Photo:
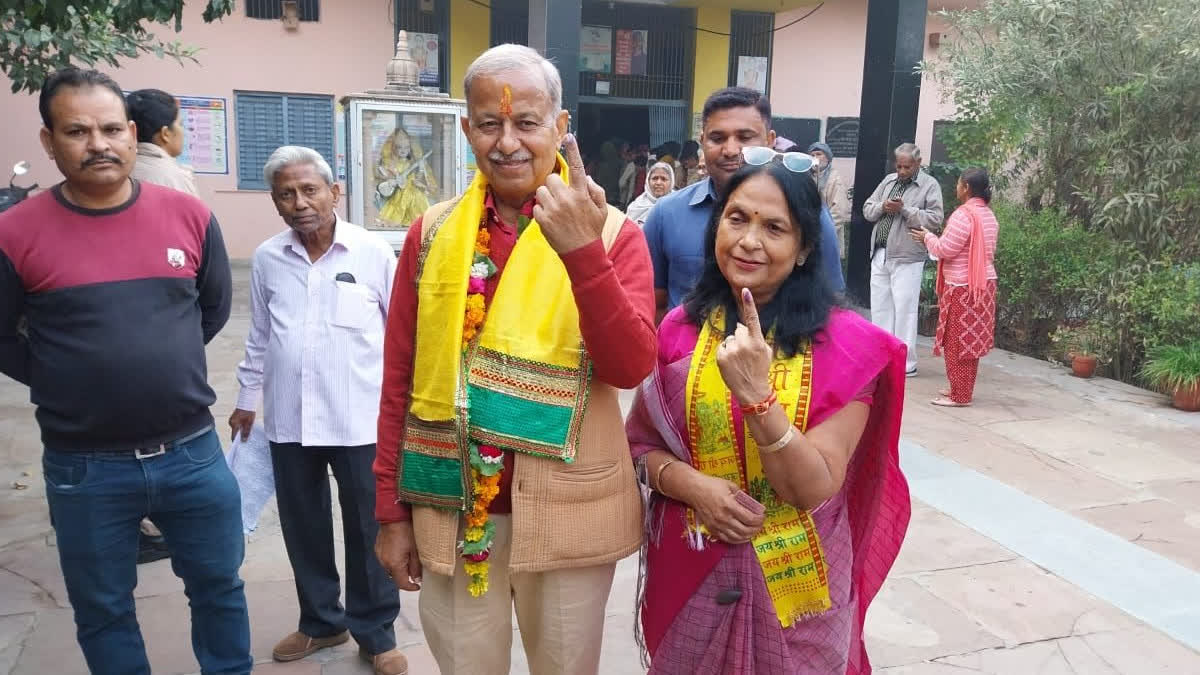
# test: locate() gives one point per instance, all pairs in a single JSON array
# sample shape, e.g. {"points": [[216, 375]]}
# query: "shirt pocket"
{"points": [[353, 306]]}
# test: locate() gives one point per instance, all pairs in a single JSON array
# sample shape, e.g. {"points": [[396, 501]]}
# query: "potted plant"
{"points": [[1082, 346], [1175, 369]]}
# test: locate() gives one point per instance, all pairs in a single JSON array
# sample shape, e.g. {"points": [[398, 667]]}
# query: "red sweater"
{"points": [[615, 296]]}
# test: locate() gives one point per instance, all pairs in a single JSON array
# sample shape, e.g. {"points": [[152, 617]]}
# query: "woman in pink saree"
{"points": [[768, 438]]}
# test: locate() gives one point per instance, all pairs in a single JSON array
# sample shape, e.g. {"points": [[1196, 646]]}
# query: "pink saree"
{"points": [[686, 627]]}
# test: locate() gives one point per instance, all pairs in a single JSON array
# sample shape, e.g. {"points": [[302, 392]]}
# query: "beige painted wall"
{"points": [[817, 70], [346, 51]]}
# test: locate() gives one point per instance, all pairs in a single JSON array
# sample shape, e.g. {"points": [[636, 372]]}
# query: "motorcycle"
{"points": [[14, 194]]}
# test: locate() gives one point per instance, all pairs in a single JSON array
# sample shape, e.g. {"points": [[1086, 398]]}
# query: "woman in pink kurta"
{"points": [[966, 286], [705, 601]]}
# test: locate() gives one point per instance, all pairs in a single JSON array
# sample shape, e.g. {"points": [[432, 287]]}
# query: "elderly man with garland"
{"points": [[519, 309]]}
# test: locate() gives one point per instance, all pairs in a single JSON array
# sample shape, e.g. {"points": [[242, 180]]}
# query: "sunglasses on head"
{"points": [[797, 162]]}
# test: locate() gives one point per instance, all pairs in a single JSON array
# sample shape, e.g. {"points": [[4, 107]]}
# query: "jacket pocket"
{"points": [[585, 483]]}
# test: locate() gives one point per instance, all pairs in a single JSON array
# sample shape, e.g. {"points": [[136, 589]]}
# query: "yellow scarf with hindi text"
{"points": [[787, 547]]}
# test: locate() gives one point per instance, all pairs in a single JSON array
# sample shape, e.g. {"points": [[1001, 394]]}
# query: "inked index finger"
{"points": [[577, 175], [750, 314]]}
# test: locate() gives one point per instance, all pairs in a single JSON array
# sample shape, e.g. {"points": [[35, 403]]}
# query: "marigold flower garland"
{"points": [[486, 461]]}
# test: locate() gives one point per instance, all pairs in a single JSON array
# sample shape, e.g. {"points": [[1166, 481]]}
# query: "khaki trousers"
{"points": [[560, 615]]}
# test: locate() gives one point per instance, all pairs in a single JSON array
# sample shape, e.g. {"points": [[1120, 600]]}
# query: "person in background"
{"points": [[769, 434], [659, 182], [319, 380], [160, 140], [690, 161], [833, 191], [122, 284], [908, 199], [531, 299], [636, 165], [608, 172], [670, 153], [733, 118], [966, 285]]}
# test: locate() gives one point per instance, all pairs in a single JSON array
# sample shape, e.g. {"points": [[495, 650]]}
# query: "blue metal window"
{"points": [[267, 121], [310, 10]]}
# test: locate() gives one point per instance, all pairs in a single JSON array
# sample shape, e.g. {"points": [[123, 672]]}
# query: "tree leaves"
{"points": [[38, 37], [1092, 106]]}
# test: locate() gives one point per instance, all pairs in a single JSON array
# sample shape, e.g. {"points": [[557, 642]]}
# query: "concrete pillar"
{"points": [[469, 31], [887, 117], [711, 65], [554, 31]]}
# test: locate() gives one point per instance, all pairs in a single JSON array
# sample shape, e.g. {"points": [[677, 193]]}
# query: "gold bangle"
{"points": [[779, 444], [658, 475]]}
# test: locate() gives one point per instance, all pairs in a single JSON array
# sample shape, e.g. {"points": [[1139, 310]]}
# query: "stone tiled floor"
{"points": [[956, 601]]}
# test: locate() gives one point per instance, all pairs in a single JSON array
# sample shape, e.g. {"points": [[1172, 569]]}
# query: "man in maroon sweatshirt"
{"points": [[121, 285]]}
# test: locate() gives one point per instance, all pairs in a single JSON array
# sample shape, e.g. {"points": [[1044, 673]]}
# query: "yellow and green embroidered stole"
{"points": [[787, 547], [521, 385]]}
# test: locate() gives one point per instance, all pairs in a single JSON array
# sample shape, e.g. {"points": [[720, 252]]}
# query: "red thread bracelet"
{"points": [[759, 409]]}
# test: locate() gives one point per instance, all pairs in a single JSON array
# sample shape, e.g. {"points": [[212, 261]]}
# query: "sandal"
{"points": [[947, 403], [944, 392]]}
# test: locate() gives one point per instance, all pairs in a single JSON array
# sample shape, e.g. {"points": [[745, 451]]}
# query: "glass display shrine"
{"points": [[406, 151]]}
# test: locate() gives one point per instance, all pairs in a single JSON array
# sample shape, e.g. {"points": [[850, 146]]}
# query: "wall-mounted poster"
{"points": [[752, 72], [205, 134], [631, 52], [595, 49], [424, 49]]}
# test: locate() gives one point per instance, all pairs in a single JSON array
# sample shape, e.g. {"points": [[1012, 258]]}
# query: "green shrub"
{"points": [[1049, 274], [1172, 367], [1055, 276], [1150, 304]]}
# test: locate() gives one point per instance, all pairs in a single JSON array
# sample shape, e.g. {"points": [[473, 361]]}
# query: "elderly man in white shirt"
{"points": [[319, 294]]}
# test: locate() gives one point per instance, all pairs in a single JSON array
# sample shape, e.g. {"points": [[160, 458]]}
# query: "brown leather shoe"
{"points": [[298, 645], [391, 662]]}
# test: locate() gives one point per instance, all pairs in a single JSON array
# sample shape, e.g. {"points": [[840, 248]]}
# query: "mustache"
{"points": [[521, 156], [96, 159]]}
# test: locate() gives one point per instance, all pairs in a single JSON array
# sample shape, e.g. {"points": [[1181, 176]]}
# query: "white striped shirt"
{"points": [[315, 348]]}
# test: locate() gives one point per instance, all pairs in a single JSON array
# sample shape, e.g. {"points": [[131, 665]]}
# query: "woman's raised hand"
{"points": [[745, 357]]}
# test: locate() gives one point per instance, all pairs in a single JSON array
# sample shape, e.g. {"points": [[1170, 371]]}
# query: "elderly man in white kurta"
{"points": [[319, 294]]}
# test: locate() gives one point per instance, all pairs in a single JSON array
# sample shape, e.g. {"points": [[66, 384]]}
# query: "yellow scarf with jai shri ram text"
{"points": [[787, 547], [521, 385]]}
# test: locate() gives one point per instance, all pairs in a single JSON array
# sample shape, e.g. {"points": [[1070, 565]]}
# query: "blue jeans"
{"points": [[96, 502]]}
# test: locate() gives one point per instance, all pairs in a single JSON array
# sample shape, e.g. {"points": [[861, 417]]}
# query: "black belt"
{"points": [[153, 450]]}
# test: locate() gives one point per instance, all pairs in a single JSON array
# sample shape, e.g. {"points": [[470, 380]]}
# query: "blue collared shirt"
{"points": [[675, 232]]}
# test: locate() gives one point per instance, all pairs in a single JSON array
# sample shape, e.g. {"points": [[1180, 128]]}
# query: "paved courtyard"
{"points": [[1056, 530]]}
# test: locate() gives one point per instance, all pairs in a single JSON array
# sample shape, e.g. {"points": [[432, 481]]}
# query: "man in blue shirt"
{"points": [[732, 119]]}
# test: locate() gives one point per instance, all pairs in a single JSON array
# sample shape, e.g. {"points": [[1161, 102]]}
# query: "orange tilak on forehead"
{"points": [[506, 101]]}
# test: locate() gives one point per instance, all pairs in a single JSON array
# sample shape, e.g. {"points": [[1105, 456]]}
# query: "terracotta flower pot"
{"points": [[1187, 399], [1084, 366]]}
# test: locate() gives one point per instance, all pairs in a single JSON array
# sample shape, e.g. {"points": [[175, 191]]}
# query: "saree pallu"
{"points": [[684, 628], [966, 329]]}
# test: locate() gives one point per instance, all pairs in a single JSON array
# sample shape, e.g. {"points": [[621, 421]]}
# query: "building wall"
{"points": [[470, 32], [818, 64], [817, 72], [345, 52], [712, 54]]}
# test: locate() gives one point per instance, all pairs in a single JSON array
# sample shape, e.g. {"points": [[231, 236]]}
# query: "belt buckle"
{"points": [[147, 453]]}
